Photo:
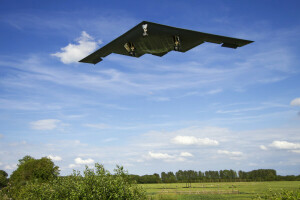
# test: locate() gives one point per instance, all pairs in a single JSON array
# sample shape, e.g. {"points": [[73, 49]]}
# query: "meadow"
{"points": [[217, 190]]}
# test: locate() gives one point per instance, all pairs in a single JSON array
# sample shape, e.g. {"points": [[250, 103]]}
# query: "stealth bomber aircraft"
{"points": [[158, 40]]}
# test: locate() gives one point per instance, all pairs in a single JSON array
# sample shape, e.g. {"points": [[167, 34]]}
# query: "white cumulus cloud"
{"points": [[72, 166], [263, 147], [97, 126], [45, 124], [285, 145], [186, 154], [169, 158], [80, 161], [55, 158], [230, 153], [236, 155], [295, 151], [191, 140], [159, 155], [295, 102], [10, 167], [72, 53]]}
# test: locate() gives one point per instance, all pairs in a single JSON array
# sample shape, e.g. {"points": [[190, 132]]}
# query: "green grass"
{"points": [[229, 190]]}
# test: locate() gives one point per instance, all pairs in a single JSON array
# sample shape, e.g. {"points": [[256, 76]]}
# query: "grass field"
{"points": [[229, 190]]}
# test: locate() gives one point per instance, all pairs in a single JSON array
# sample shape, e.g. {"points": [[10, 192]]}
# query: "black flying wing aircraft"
{"points": [[158, 40]]}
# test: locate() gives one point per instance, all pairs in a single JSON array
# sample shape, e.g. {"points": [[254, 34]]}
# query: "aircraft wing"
{"points": [[158, 40]]}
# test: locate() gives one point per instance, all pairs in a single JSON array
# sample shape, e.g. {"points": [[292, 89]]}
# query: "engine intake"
{"points": [[130, 48]]}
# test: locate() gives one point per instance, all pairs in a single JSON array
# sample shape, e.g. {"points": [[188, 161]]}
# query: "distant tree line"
{"points": [[183, 176]]}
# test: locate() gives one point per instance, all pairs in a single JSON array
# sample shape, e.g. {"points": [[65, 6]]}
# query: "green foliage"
{"points": [[25, 159], [146, 178], [168, 177], [3, 179], [228, 174], [31, 169], [283, 194], [183, 176], [262, 174], [224, 176], [96, 183]]}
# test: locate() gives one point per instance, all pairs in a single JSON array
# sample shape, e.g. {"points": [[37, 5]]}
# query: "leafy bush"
{"points": [[282, 195], [31, 169], [3, 179], [96, 183]]}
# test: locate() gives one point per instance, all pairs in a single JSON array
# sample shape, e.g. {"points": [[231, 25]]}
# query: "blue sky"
{"points": [[210, 108]]}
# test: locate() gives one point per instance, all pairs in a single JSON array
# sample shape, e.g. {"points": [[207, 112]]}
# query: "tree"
{"points": [[200, 175], [164, 177], [157, 178], [30, 169], [180, 176], [171, 177], [262, 174], [25, 159], [3, 179], [147, 179], [212, 175], [242, 175], [168, 177]]}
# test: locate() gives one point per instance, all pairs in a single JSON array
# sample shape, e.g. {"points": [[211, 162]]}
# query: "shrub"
{"points": [[31, 169], [283, 194], [96, 183], [3, 179]]}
